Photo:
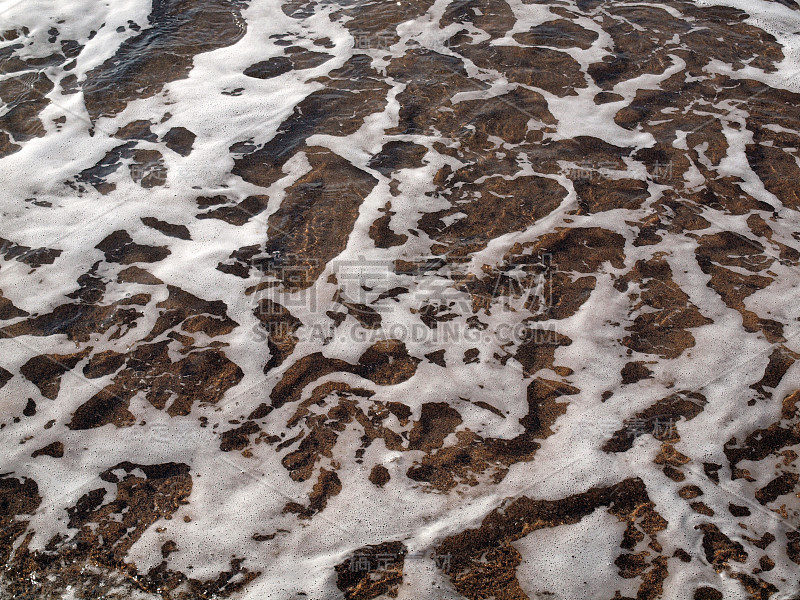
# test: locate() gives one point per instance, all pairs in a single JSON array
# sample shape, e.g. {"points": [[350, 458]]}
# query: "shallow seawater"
{"points": [[429, 299]]}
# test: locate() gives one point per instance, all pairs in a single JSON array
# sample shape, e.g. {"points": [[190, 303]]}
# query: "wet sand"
{"points": [[362, 299]]}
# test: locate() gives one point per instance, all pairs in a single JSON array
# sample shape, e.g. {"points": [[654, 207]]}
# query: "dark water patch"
{"points": [[663, 328], [33, 257], [296, 58], [372, 571], [199, 377], [146, 167], [560, 33], [180, 140], [652, 420], [350, 94], [54, 450], [119, 247], [137, 130], [381, 232], [169, 229], [280, 326], [8, 311], [45, 371], [163, 52], [315, 218]]}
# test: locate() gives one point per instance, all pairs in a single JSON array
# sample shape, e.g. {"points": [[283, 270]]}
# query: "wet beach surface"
{"points": [[421, 299]]}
